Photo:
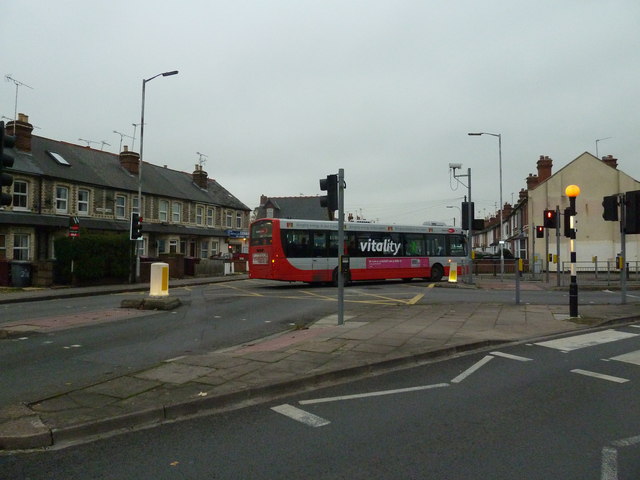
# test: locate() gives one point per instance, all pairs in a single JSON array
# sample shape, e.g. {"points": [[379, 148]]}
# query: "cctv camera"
{"points": [[455, 165]]}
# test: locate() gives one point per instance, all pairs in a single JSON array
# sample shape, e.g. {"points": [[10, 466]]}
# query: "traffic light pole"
{"points": [[558, 245], [623, 249], [340, 246]]}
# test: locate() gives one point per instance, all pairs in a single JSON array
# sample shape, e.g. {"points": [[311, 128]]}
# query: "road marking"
{"points": [[587, 340], [472, 369], [300, 415], [631, 357], [634, 326], [415, 299], [511, 357], [609, 470], [601, 376], [371, 394]]}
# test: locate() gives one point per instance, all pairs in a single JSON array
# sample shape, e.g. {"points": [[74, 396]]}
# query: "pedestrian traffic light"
{"points": [[632, 214], [567, 222], [6, 161], [330, 200], [135, 231], [539, 231], [610, 208], [550, 220], [74, 227]]}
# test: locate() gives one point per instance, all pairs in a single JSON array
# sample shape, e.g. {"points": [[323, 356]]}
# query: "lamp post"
{"points": [[500, 241], [454, 218], [572, 192], [140, 211]]}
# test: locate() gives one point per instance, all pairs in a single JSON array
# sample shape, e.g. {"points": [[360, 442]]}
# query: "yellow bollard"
{"points": [[159, 285]]}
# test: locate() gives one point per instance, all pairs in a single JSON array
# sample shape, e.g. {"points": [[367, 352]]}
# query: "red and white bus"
{"points": [[307, 250]]}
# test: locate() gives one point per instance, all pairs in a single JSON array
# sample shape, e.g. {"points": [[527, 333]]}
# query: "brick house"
{"points": [[188, 214]]}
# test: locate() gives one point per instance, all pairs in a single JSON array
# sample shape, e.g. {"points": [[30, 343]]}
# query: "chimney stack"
{"points": [[609, 160], [130, 161], [532, 181], [200, 177], [544, 168], [22, 129]]}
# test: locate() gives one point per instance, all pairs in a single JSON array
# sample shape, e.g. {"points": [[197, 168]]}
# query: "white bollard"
{"points": [[159, 285], [453, 272]]}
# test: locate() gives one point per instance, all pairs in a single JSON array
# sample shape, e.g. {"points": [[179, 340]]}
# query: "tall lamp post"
{"points": [[572, 191], [454, 218], [140, 211], [500, 241]]}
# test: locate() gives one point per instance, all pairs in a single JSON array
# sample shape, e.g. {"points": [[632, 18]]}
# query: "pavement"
{"points": [[374, 340]]}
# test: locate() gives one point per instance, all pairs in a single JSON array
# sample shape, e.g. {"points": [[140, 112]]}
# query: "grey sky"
{"points": [[280, 93]]}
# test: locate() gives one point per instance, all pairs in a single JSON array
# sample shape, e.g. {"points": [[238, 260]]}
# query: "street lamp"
{"points": [[599, 140], [500, 240], [454, 218], [140, 211]]}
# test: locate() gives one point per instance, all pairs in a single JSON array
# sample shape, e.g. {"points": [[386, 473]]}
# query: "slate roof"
{"points": [[102, 169], [307, 208]]}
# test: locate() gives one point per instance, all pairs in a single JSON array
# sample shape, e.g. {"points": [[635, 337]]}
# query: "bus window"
{"points": [[261, 233], [414, 245], [319, 246], [457, 245], [436, 245], [296, 243]]}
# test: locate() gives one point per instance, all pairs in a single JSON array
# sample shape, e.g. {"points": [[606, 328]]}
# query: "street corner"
{"points": [[21, 428]]}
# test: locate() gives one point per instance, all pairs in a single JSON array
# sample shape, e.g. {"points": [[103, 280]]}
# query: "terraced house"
{"points": [[54, 181]]}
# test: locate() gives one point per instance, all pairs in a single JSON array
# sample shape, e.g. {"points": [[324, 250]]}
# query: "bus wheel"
{"points": [[347, 278], [407, 280], [436, 273]]}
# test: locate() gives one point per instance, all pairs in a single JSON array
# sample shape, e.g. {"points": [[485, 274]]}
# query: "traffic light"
{"points": [[610, 208], [6, 161], [330, 200], [550, 220], [539, 231], [465, 215], [567, 222], [632, 215], [135, 231], [74, 227]]}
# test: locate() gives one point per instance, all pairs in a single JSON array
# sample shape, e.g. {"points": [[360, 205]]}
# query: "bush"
{"points": [[95, 257]]}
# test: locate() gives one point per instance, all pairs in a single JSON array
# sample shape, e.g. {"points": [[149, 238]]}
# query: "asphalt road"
{"points": [[92, 344], [562, 408]]}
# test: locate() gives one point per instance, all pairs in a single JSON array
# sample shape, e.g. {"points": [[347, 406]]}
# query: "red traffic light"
{"points": [[539, 231], [550, 219]]}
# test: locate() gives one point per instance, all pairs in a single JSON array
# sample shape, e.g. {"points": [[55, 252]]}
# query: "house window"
{"points": [[121, 206], [20, 195], [163, 210], [270, 213], [83, 202], [162, 245], [204, 249], [173, 246], [3, 246], [134, 205], [214, 248], [199, 215], [62, 199], [210, 213], [21, 246], [238, 220], [176, 209], [229, 220]]}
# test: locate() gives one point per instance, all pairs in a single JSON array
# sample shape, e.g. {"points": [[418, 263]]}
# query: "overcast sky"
{"points": [[279, 93]]}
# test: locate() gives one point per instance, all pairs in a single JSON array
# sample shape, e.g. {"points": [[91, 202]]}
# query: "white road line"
{"points": [[371, 394], [601, 376], [631, 357], [587, 340], [634, 326], [472, 369], [300, 415], [511, 357], [609, 470]]}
